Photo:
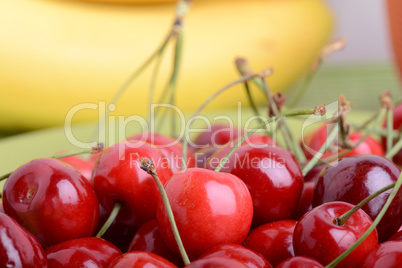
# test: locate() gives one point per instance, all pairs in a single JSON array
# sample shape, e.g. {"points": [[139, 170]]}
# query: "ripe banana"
{"points": [[57, 55]]}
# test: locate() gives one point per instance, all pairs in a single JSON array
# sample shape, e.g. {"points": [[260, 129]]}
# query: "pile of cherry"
{"points": [[259, 210]]}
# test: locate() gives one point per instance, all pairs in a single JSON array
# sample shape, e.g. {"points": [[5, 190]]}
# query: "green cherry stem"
{"points": [[113, 214], [372, 226], [394, 150], [318, 110], [390, 129], [211, 98], [148, 166], [317, 156]]}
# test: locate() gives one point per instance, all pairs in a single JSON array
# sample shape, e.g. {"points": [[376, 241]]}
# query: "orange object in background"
{"points": [[395, 23]]}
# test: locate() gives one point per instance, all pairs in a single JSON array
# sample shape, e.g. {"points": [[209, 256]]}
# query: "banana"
{"points": [[66, 58]]}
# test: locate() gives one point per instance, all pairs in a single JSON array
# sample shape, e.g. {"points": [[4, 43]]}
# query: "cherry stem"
{"points": [[390, 129], [317, 156], [341, 220], [372, 226], [191, 120], [148, 166], [96, 149], [394, 150], [112, 216], [253, 105], [318, 110]]}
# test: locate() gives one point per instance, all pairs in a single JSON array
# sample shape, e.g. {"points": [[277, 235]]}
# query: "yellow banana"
{"points": [[56, 55]]}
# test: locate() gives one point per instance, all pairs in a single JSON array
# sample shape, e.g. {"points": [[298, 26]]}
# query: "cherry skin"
{"points": [[312, 143], [396, 237], [306, 199], [171, 148], [244, 255], [314, 173], [148, 238], [140, 259], [273, 240], [356, 177], [273, 177], [210, 208], [19, 248], [118, 177], [52, 200], [82, 252], [299, 262], [216, 262], [317, 236], [387, 254]]}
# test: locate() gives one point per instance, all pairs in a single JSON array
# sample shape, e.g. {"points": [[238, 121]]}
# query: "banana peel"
{"points": [[68, 58]]}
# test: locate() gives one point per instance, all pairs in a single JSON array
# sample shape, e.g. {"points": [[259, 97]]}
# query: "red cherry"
{"points": [[244, 255], [140, 259], [273, 177], [52, 201], [356, 177], [397, 123], [273, 240], [318, 237], [299, 262], [216, 262], [83, 165], [387, 254], [215, 135], [396, 237], [118, 177], [210, 208], [314, 173], [19, 248], [306, 199], [148, 238], [82, 251], [171, 148], [312, 143]]}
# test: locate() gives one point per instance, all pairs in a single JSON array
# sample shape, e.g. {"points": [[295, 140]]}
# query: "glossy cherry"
{"points": [[306, 199], [273, 240], [140, 259], [82, 252], [356, 177], [83, 165], [170, 147], [273, 177], [312, 143], [210, 208], [19, 248], [148, 238], [118, 177], [387, 254], [317, 236], [52, 200], [249, 257], [299, 262]]}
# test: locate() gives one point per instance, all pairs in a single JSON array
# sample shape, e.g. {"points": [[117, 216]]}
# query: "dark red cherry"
{"points": [[140, 259], [273, 240], [52, 200], [396, 237], [210, 208], [82, 252], [299, 262], [314, 173], [249, 257], [306, 199], [273, 177], [317, 236], [387, 254], [170, 147], [148, 238], [19, 248], [356, 177], [216, 262], [118, 177]]}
